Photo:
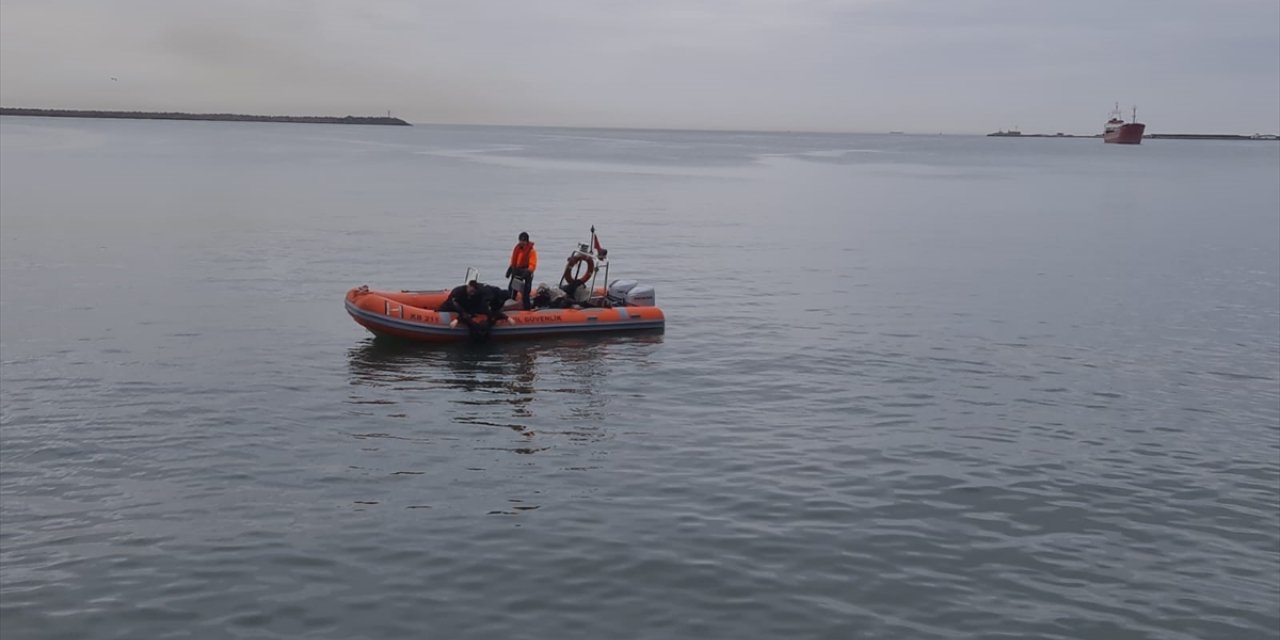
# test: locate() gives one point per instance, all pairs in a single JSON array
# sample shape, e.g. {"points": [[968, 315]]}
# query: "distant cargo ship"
{"points": [[1118, 131]]}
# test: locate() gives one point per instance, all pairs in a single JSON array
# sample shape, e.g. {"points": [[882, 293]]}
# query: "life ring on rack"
{"points": [[574, 261]]}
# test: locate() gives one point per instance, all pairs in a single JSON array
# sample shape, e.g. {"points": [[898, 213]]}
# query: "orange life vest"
{"points": [[524, 257]]}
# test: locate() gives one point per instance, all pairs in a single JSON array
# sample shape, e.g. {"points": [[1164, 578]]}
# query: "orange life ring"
{"points": [[575, 260]]}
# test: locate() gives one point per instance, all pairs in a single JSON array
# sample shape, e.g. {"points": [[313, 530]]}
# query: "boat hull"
{"points": [[1130, 133], [411, 315]]}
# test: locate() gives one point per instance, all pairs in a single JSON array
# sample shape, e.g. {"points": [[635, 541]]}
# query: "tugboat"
{"points": [[1118, 131]]}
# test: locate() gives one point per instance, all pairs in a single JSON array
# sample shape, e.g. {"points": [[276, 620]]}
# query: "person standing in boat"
{"points": [[524, 260]]}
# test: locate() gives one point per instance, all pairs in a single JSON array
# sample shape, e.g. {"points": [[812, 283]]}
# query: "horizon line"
{"points": [[582, 126]]}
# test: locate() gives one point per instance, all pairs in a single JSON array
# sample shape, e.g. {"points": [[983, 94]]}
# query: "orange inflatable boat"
{"points": [[625, 305], [412, 315]]}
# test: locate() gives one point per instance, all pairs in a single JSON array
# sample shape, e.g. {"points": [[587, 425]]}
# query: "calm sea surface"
{"points": [[910, 387]]}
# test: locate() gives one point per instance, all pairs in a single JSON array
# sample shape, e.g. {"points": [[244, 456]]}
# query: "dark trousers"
{"points": [[526, 298]]}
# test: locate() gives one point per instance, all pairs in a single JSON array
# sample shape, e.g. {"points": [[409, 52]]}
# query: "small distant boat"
{"points": [[1005, 134], [1118, 131]]}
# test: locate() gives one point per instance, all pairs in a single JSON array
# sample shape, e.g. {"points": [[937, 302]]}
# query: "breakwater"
{"points": [[1149, 136], [1207, 136], [173, 115]]}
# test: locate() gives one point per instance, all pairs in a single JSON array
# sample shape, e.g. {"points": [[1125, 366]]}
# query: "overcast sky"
{"points": [[928, 66]]}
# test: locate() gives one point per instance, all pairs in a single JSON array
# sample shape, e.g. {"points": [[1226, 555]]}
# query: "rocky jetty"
{"points": [[224, 117]]}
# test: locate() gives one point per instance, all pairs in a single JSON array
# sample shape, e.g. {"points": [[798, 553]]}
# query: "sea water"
{"points": [[909, 387]]}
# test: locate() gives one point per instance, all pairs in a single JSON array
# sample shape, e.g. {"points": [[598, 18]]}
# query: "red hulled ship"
{"points": [[1120, 132]]}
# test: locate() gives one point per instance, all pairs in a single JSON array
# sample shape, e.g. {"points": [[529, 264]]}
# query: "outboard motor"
{"points": [[630, 293], [642, 295], [618, 290]]}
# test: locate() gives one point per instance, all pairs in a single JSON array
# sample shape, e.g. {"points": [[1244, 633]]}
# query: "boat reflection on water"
{"points": [[496, 385]]}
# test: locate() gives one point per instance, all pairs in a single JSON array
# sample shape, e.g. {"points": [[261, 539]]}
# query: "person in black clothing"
{"points": [[473, 299], [462, 299]]}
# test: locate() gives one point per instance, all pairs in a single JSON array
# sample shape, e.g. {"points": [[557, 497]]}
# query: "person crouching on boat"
{"points": [[551, 297], [476, 298], [524, 260]]}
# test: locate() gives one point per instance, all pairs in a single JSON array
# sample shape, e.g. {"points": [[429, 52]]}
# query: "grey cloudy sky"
{"points": [[955, 66]]}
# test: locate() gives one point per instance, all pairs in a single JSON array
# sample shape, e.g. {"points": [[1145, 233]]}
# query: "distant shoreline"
{"points": [[219, 117], [1205, 136], [1149, 136]]}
